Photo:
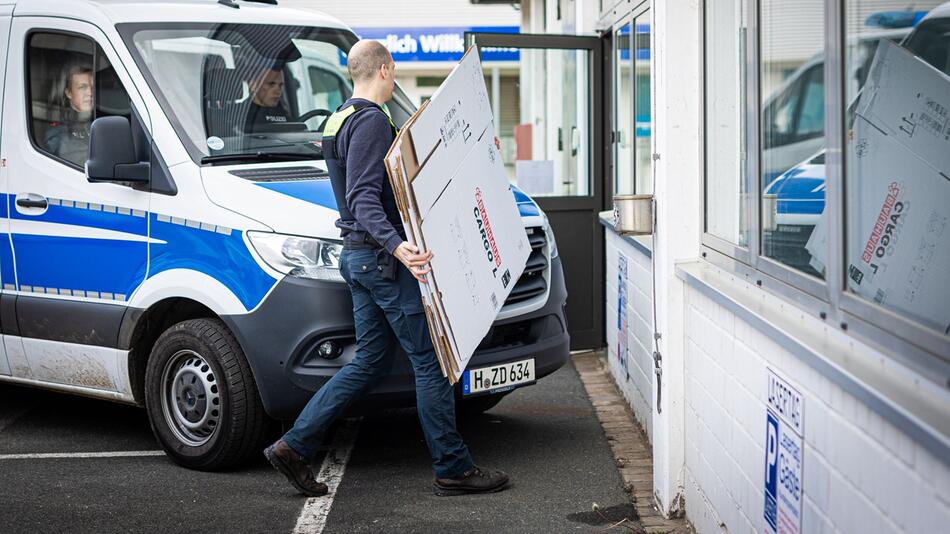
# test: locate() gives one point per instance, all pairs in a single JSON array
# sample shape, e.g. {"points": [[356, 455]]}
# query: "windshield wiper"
{"points": [[257, 156]]}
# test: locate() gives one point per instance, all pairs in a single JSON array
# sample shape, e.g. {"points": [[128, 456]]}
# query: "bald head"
{"points": [[365, 59]]}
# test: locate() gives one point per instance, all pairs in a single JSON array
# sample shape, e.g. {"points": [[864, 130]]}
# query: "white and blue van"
{"points": [[158, 249]]}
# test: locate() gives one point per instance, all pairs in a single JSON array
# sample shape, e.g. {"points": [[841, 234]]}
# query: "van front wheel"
{"points": [[201, 397]]}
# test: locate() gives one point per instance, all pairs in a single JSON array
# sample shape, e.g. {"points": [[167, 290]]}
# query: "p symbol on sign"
{"points": [[771, 454], [771, 472]]}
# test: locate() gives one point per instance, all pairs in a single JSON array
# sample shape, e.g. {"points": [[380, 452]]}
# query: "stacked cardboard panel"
{"points": [[899, 189], [455, 200]]}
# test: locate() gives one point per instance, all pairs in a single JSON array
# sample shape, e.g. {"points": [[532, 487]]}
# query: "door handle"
{"points": [[27, 202]]}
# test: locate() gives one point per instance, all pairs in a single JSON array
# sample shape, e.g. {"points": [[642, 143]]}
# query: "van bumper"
{"points": [[280, 339]]}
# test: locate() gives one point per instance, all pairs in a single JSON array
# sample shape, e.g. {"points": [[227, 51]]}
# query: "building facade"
{"points": [[782, 337]]}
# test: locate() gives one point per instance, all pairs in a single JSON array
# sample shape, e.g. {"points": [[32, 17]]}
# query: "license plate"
{"points": [[498, 378]]}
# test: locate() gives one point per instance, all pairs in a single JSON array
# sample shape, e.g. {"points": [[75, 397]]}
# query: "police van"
{"points": [[167, 231]]}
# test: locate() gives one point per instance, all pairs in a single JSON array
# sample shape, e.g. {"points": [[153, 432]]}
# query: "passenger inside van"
{"points": [[266, 112], [68, 138]]}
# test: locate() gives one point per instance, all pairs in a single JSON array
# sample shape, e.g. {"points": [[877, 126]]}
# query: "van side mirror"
{"points": [[112, 153]]}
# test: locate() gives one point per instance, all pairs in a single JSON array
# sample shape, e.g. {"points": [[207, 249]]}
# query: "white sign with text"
{"points": [[783, 457]]}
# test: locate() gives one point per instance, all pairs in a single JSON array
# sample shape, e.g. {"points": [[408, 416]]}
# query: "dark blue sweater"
{"points": [[362, 144]]}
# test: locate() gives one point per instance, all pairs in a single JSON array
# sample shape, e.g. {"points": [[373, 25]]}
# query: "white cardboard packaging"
{"points": [[455, 201], [899, 158], [910, 101], [898, 191], [479, 245], [899, 255]]}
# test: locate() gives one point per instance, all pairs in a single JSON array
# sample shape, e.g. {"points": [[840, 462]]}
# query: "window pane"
{"points": [[60, 70], [72, 84], [548, 93], [726, 191], [792, 164], [898, 163], [643, 122], [234, 89], [623, 113]]}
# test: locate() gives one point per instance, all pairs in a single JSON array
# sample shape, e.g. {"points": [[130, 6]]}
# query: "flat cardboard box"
{"points": [[454, 198], [898, 191], [899, 254], [477, 258], [909, 100]]}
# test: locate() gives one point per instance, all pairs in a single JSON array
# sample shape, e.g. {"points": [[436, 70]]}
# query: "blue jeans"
{"points": [[385, 311]]}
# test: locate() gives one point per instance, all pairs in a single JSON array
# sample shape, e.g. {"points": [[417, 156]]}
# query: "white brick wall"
{"points": [[861, 474], [638, 389]]}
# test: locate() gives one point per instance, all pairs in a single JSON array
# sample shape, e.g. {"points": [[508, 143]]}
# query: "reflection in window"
{"points": [[623, 114], [232, 89], [793, 195], [725, 120], [897, 163], [643, 121], [71, 84]]}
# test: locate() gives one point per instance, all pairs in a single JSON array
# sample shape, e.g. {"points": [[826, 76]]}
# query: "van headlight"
{"points": [[549, 233], [303, 257]]}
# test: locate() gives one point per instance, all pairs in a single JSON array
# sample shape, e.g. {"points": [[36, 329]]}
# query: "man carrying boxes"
{"points": [[387, 304]]}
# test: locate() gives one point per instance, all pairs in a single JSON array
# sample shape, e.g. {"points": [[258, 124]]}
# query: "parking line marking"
{"points": [[61, 455], [313, 517]]}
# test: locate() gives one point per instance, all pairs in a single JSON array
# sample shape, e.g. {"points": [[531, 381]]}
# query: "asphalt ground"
{"points": [[545, 436]]}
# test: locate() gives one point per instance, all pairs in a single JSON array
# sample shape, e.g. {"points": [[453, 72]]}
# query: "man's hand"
{"points": [[497, 143], [415, 262]]}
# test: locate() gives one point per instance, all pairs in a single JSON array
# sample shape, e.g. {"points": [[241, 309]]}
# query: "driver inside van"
{"points": [[69, 137], [266, 109]]}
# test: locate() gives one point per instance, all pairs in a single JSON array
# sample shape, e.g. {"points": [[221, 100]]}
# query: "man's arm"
{"points": [[369, 141]]}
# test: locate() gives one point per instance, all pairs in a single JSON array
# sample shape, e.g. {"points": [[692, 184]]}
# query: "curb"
{"points": [[631, 450]]}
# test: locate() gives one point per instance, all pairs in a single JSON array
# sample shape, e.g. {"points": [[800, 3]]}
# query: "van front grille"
{"points": [[534, 281]]}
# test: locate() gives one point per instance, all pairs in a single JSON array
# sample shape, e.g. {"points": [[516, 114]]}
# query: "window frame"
{"points": [[742, 253], [645, 8], [98, 49], [628, 18], [919, 347], [913, 342], [28, 87], [625, 21]]}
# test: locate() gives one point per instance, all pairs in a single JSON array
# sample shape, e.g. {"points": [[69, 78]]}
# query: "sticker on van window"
{"points": [[215, 143]]}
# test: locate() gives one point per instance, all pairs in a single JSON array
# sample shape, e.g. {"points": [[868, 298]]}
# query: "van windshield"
{"points": [[250, 92]]}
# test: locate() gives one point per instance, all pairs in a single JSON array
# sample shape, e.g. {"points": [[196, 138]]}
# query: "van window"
{"points": [[248, 92], [71, 83], [931, 41], [781, 116], [328, 90], [811, 118]]}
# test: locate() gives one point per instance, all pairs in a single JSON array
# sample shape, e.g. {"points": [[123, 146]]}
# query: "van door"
{"points": [[80, 248], [6, 255]]}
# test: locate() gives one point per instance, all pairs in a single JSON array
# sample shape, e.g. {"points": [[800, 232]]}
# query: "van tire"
{"points": [[212, 417]]}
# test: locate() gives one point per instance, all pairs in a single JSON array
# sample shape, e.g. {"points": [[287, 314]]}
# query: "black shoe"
{"points": [[291, 465], [475, 480]]}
